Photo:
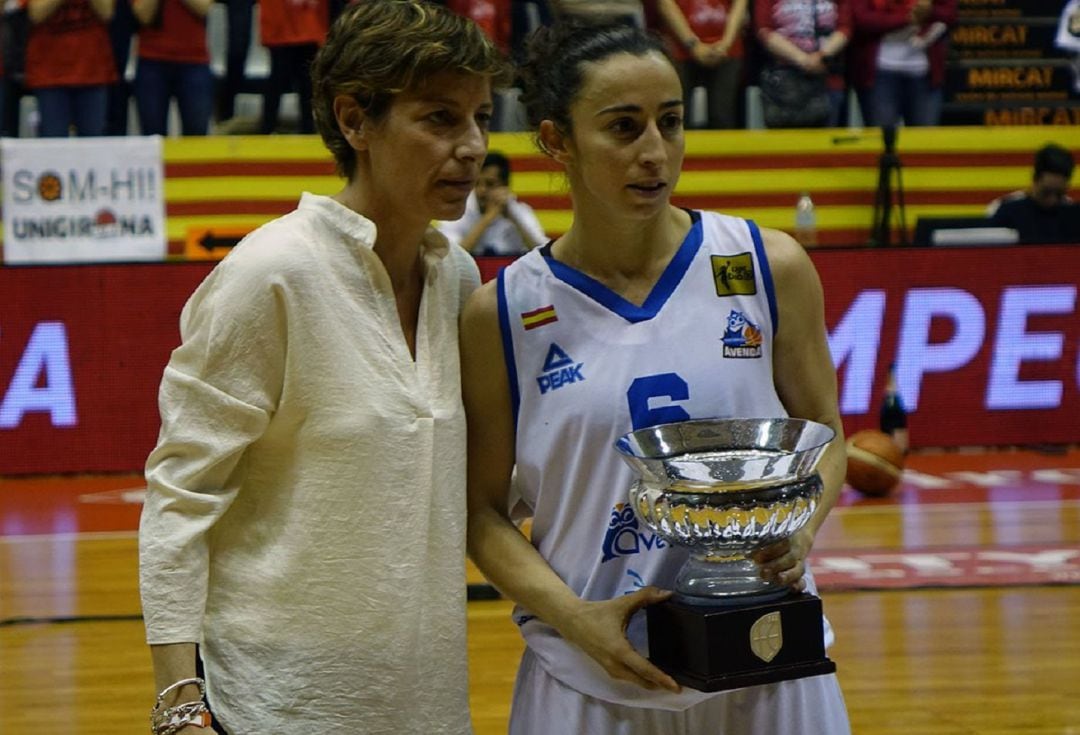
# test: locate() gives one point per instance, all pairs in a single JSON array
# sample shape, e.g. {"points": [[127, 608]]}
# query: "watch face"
{"points": [[1074, 22]]}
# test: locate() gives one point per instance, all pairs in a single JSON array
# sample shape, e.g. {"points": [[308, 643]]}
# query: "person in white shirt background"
{"points": [[303, 536], [495, 221], [897, 59]]}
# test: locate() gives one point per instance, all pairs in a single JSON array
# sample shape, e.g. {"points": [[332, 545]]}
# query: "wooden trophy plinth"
{"points": [[718, 647]]}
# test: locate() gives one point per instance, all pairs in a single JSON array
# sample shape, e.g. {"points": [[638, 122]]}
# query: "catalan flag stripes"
{"points": [[539, 317]]}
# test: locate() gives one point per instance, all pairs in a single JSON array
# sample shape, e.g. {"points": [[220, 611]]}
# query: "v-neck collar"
{"points": [[661, 292]]}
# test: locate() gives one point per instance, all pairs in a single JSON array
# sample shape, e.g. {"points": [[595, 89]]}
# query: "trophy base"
{"points": [[715, 648]]}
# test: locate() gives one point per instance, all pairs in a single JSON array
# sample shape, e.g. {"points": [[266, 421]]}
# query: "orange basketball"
{"points": [[874, 462]]}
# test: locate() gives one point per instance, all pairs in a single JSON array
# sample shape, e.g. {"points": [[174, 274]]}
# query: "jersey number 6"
{"points": [[664, 385]]}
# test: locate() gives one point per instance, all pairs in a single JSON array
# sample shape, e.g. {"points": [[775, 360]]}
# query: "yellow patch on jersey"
{"points": [[734, 274]]}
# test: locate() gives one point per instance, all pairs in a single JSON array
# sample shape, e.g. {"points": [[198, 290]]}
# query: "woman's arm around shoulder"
{"points": [[496, 545]]}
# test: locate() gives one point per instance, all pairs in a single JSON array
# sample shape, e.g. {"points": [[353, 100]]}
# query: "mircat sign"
{"points": [[88, 200]]}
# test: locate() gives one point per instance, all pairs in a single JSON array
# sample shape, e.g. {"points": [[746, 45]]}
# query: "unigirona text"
{"points": [[65, 227]]}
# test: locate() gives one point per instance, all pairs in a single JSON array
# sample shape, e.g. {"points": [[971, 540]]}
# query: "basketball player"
{"points": [[622, 323], [305, 512]]}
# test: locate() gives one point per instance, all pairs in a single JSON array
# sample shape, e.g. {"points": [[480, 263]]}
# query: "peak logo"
{"points": [[559, 370]]}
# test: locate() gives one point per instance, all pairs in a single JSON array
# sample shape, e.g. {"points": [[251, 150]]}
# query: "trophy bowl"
{"points": [[724, 488]]}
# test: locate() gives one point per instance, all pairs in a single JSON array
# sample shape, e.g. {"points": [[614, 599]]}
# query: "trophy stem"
{"points": [[715, 579]]}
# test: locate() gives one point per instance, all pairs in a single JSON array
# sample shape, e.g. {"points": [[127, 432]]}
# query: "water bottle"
{"points": [[893, 414], [805, 221]]}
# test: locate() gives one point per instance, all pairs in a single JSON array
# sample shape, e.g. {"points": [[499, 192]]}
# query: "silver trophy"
{"points": [[723, 488]]}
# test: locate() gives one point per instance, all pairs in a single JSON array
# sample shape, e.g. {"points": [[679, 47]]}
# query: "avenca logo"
{"points": [[624, 536], [742, 338], [559, 370]]}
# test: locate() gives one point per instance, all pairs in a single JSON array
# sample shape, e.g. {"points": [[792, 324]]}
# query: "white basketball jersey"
{"points": [[586, 367]]}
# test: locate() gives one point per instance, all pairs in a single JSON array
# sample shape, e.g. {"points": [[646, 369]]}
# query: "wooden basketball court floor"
{"points": [[956, 603]]}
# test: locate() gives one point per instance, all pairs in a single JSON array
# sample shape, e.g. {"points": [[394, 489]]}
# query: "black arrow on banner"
{"points": [[210, 242]]}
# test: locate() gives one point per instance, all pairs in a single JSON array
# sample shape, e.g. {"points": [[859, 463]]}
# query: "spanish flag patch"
{"points": [[539, 317]]}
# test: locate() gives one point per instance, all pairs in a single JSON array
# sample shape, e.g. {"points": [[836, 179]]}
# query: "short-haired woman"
{"points": [[305, 515]]}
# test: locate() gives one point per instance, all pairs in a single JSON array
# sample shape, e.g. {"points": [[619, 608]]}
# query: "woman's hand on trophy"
{"points": [[599, 629], [784, 562]]}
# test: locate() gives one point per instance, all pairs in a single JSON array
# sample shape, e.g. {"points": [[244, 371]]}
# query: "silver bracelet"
{"points": [[173, 719]]}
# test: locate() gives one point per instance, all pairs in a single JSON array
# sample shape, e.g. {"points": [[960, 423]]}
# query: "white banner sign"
{"points": [[83, 200]]}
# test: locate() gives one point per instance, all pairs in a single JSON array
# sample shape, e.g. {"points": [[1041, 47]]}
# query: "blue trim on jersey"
{"points": [[508, 345], [660, 293], [766, 273]]}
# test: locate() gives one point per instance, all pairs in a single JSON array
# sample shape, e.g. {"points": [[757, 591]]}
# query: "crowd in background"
{"points": [[805, 57]]}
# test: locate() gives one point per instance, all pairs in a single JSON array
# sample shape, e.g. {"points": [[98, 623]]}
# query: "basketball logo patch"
{"points": [[734, 274]]}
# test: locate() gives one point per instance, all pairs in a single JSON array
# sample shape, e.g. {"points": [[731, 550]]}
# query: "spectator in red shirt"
{"points": [[809, 35], [705, 37], [69, 64], [292, 31], [492, 16], [173, 63], [898, 59]]}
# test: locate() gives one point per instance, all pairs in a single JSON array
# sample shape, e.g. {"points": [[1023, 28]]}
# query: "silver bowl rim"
{"points": [[623, 443]]}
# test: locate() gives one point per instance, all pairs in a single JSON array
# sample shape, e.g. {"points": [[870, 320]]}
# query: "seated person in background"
{"points": [[495, 221], [1044, 213]]}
